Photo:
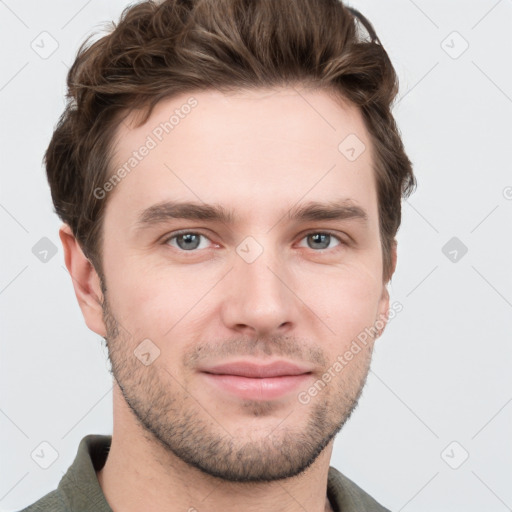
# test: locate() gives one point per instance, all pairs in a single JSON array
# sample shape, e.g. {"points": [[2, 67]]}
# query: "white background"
{"points": [[441, 371]]}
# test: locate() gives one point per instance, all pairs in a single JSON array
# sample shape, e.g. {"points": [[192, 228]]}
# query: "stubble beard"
{"points": [[176, 421]]}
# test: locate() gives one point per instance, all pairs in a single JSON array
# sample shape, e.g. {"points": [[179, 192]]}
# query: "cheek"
{"points": [[158, 303], [346, 301]]}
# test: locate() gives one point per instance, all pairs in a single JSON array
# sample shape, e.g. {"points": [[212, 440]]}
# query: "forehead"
{"points": [[265, 147]]}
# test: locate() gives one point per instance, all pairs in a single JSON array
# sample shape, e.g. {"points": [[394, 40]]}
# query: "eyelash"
{"points": [[193, 251]]}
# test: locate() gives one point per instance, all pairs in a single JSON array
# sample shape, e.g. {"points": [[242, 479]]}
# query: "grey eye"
{"points": [[186, 241], [319, 240]]}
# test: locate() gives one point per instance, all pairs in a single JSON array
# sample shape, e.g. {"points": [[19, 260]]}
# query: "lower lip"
{"points": [[258, 389]]}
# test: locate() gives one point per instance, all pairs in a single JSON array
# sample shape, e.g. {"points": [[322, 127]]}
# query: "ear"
{"points": [[384, 299], [86, 281]]}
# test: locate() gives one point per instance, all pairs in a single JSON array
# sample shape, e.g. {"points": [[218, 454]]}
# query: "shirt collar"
{"points": [[81, 482]]}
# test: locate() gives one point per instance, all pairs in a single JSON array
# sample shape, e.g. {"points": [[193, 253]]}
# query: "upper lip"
{"points": [[254, 370]]}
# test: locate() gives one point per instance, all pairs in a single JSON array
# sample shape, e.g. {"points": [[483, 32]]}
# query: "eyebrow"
{"points": [[342, 209]]}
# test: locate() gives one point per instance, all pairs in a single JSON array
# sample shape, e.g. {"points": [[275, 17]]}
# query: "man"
{"points": [[260, 134]]}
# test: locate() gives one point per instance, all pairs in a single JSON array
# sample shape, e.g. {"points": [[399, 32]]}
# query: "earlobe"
{"points": [[85, 279], [382, 319]]}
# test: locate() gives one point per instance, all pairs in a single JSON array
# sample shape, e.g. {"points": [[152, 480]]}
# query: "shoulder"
{"points": [[348, 496], [79, 490]]}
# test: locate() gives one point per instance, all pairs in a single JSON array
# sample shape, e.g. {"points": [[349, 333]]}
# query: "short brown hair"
{"points": [[162, 49]]}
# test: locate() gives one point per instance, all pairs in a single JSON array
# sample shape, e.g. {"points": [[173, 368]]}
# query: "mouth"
{"points": [[253, 381]]}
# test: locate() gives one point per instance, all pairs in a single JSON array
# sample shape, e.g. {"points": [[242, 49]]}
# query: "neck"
{"points": [[140, 474]]}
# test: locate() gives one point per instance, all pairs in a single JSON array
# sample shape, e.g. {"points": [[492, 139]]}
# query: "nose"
{"points": [[258, 297]]}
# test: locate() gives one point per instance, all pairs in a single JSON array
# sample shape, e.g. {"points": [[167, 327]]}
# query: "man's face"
{"points": [[243, 314]]}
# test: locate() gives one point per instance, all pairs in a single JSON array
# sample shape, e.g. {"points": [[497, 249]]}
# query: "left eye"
{"points": [[321, 240], [190, 241]]}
